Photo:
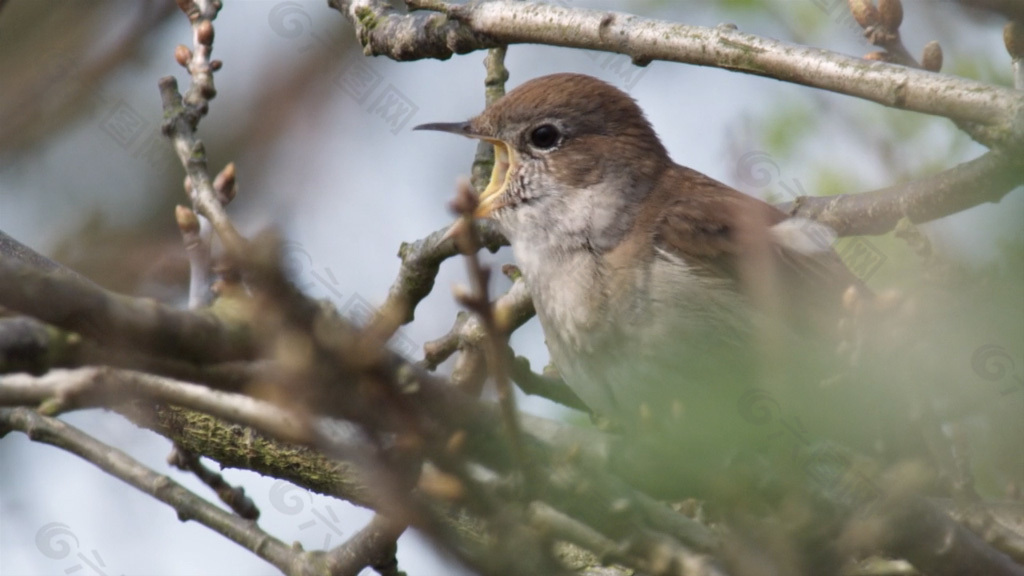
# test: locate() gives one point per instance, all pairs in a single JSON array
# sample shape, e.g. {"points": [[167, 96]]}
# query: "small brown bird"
{"points": [[649, 278]]}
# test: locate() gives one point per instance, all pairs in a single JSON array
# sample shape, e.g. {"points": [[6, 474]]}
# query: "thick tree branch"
{"points": [[467, 27], [221, 441], [71, 303], [374, 545], [984, 179], [196, 418]]}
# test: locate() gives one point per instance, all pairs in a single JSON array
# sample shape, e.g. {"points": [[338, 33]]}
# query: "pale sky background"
{"points": [[347, 186]]}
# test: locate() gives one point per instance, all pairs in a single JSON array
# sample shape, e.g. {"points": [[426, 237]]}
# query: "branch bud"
{"points": [[462, 295], [182, 55], [204, 33], [931, 59], [511, 271], [1013, 37], [441, 485], [226, 185], [891, 14], [187, 220], [864, 12]]}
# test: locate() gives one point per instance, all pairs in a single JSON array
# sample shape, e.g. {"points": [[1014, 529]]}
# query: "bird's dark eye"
{"points": [[544, 136]]}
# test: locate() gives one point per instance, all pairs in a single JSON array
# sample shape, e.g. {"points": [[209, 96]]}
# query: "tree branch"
{"points": [[421, 261], [122, 466], [373, 546], [74, 304], [467, 27], [985, 179]]}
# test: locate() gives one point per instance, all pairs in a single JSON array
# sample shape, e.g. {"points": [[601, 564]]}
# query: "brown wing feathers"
{"points": [[723, 233]]}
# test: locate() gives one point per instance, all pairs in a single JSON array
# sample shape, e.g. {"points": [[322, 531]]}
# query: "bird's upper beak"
{"points": [[504, 161]]}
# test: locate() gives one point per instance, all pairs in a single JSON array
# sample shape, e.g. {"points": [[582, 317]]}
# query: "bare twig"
{"points": [[478, 301], [11, 249], [233, 496], [198, 249], [494, 88], [421, 261], [122, 466], [469, 336], [540, 385], [197, 235], [936, 545], [983, 521], [60, 391], [373, 546], [27, 345], [565, 528], [180, 121], [223, 441], [182, 115], [205, 429]]}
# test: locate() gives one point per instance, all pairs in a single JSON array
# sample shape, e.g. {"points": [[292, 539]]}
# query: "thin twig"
{"points": [[182, 115], [478, 301], [373, 546], [540, 385], [494, 89], [197, 247], [233, 496], [421, 261], [120, 465], [59, 391]]}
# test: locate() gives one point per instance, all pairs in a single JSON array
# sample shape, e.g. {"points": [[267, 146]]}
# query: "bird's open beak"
{"points": [[504, 161]]}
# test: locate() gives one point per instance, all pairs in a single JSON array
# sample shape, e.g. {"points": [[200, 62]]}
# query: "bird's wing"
{"points": [[779, 262]]}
